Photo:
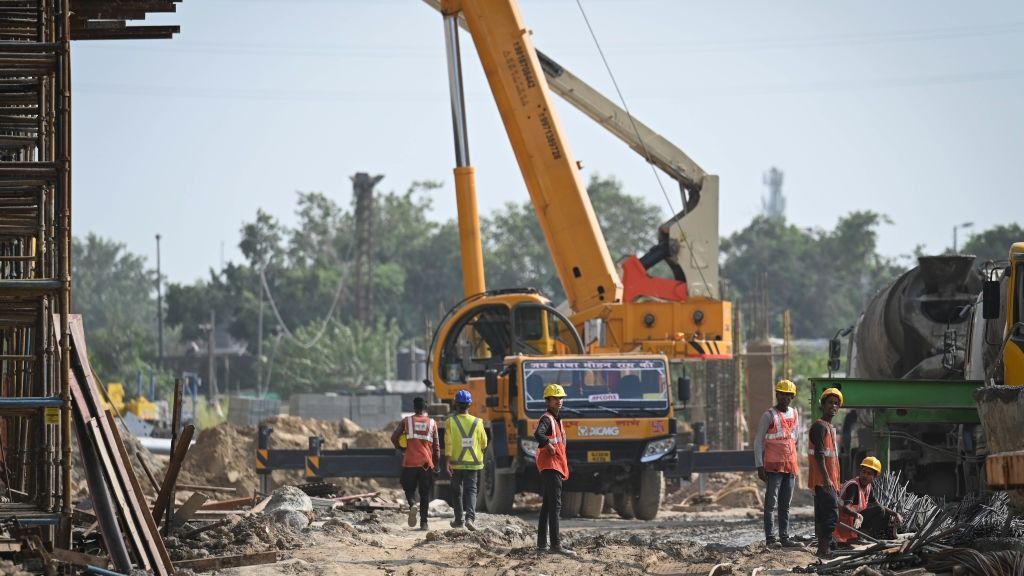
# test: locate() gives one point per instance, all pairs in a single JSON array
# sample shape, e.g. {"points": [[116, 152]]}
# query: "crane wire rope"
{"points": [[306, 344], [647, 154]]}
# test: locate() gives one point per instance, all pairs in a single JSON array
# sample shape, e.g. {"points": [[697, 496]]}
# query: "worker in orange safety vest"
{"points": [[775, 451], [860, 510], [422, 454], [553, 466], [823, 464]]}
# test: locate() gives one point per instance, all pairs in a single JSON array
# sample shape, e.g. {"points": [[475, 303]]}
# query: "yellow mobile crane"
{"points": [[506, 345]]}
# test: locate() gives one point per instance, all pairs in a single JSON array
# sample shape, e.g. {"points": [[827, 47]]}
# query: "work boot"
{"points": [[413, 514], [559, 549], [771, 542], [423, 526], [470, 526], [456, 524], [787, 543]]}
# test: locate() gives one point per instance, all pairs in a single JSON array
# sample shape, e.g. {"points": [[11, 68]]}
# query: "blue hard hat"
{"points": [[463, 397]]}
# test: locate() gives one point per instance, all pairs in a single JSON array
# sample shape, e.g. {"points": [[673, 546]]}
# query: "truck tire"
{"points": [[624, 505], [592, 506], [648, 497], [498, 489], [571, 503]]}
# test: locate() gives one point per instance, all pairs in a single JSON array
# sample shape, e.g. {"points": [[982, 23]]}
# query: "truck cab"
{"points": [[505, 347]]}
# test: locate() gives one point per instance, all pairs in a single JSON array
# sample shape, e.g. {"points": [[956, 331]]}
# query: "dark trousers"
{"points": [[421, 479], [778, 493], [464, 493], [551, 509], [826, 516]]}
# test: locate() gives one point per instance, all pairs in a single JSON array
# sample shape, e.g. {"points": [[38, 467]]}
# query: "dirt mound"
{"points": [[294, 432], [257, 533], [223, 456], [363, 439]]}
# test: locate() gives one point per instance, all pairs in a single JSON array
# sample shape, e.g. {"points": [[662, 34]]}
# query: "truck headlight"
{"points": [[657, 449], [529, 447]]}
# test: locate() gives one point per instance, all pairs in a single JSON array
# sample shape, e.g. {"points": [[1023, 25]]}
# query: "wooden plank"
{"points": [[221, 562], [199, 488], [78, 559], [172, 472], [148, 472], [259, 507], [118, 495], [185, 513], [157, 543], [149, 548], [228, 504]]}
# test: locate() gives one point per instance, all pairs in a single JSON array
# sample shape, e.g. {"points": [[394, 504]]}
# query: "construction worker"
{"points": [[464, 443], [775, 453], [553, 467], [823, 462], [860, 510], [422, 451]]}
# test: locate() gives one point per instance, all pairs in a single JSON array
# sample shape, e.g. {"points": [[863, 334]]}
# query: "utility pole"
{"points": [[259, 343], [159, 308], [211, 346], [965, 225], [362, 188]]}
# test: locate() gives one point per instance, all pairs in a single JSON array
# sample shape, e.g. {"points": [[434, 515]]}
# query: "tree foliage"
{"points": [[115, 294], [993, 244], [516, 253], [824, 277]]}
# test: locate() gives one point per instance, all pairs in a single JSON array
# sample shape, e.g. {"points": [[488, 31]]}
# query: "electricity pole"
{"points": [[159, 308]]}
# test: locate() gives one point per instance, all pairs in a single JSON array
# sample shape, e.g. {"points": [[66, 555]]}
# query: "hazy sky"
{"points": [[913, 109]]}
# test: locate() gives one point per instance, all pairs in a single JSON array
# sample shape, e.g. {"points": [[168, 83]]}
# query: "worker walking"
{"points": [[860, 510], [465, 441], [823, 461], [775, 452], [422, 453], [553, 467]]}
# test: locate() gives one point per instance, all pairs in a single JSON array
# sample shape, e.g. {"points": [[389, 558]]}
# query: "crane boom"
{"points": [[694, 231]]}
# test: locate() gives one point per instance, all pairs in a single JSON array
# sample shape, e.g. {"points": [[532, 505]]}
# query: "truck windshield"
{"points": [[597, 387]]}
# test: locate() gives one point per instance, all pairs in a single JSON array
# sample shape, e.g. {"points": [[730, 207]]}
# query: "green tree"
{"points": [[115, 294], [824, 277], [993, 244], [346, 358], [516, 253]]}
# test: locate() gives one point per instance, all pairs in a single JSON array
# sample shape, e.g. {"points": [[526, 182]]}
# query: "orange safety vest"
{"points": [[831, 459], [557, 461], [845, 534], [780, 443], [420, 432]]}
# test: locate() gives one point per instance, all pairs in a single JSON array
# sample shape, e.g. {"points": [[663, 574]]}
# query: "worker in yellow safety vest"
{"points": [[465, 441]]}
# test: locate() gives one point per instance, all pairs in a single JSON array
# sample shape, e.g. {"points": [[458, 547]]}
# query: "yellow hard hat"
{"points": [[832, 392], [786, 386], [554, 391], [873, 463], [403, 441]]}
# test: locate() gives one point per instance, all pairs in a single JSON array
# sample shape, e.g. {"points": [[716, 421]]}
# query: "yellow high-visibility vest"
{"points": [[465, 442]]}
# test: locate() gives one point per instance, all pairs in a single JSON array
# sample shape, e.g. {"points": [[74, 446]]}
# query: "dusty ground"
{"points": [[381, 544]]}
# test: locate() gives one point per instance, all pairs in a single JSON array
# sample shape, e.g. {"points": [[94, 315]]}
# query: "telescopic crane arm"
{"points": [[689, 241]]}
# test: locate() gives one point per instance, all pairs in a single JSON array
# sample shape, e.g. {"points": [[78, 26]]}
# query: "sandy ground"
{"points": [[381, 544]]}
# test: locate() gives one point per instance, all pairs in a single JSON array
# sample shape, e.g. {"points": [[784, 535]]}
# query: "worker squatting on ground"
{"points": [[775, 453], [860, 510], [553, 467], [823, 462], [422, 454], [465, 441]]}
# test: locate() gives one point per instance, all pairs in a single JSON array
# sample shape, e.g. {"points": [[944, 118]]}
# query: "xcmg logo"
{"points": [[590, 431]]}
